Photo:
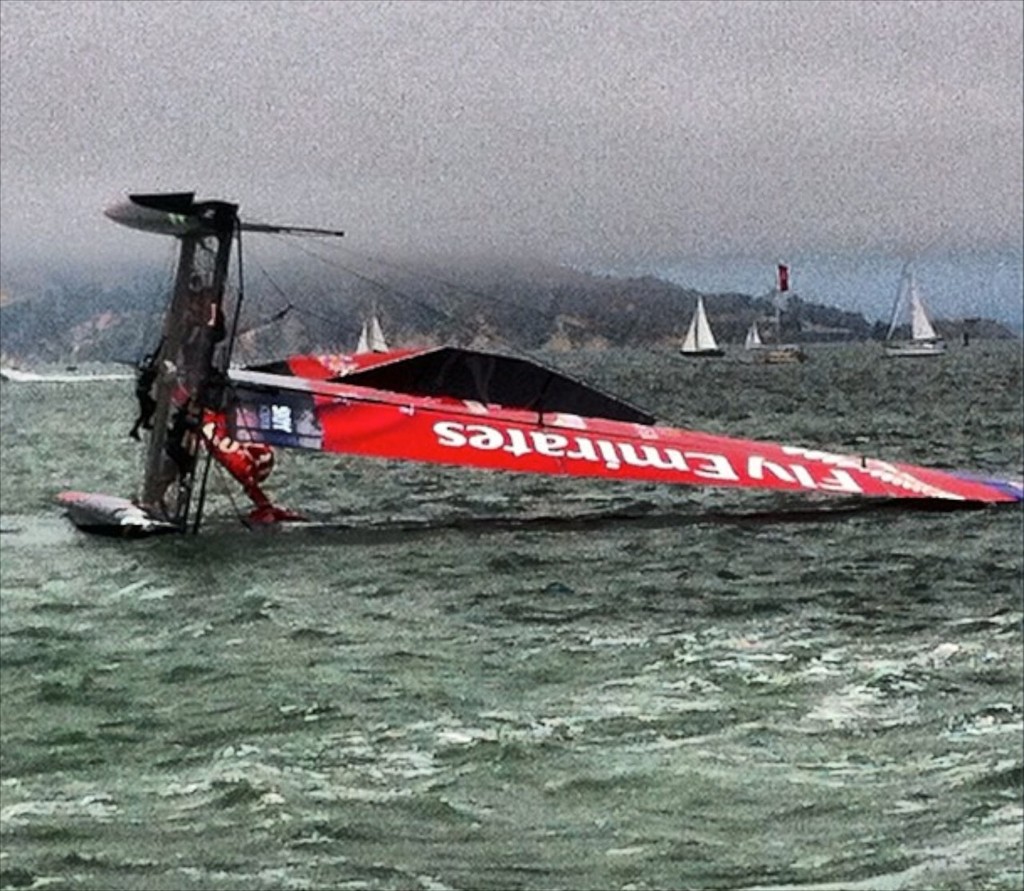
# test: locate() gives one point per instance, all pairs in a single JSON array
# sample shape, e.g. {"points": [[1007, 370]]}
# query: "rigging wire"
{"points": [[155, 320], [289, 307], [463, 328], [446, 316], [225, 484], [270, 320], [332, 322]]}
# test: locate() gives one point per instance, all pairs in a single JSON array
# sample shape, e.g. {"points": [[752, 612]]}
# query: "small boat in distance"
{"points": [[924, 340], [371, 338], [700, 341], [775, 353]]}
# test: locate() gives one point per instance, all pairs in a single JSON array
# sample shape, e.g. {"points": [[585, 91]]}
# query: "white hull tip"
{"points": [[111, 515]]}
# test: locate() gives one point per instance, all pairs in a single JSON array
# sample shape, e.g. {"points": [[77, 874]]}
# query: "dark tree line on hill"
{"points": [[74, 318]]}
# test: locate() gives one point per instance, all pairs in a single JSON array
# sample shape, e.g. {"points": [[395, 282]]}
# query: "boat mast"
{"points": [[781, 297], [193, 328]]}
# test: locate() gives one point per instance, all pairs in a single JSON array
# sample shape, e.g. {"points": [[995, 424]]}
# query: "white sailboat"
{"points": [[753, 341], [924, 340], [699, 340], [371, 338]]}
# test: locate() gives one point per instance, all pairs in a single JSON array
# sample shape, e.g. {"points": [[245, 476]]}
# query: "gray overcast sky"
{"points": [[607, 134]]}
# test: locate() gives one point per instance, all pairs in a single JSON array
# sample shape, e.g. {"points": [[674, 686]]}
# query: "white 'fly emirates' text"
{"points": [[616, 455]]}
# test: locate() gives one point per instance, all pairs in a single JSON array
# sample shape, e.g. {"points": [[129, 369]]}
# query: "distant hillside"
{"points": [[70, 316]]}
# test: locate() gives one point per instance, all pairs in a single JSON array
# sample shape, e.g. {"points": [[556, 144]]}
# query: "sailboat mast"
{"points": [[781, 296]]}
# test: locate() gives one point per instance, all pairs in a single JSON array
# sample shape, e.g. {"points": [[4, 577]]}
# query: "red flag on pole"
{"points": [[783, 277]]}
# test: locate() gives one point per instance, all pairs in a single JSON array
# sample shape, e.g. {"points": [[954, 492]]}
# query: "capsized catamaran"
{"points": [[443, 405]]}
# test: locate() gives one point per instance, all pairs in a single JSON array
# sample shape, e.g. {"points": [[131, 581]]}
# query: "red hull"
{"points": [[333, 416]]}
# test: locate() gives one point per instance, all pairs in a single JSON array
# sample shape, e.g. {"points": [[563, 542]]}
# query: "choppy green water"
{"points": [[637, 687]]}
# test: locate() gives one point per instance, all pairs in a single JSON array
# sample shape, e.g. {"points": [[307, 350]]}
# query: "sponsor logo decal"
{"points": [[615, 455]]}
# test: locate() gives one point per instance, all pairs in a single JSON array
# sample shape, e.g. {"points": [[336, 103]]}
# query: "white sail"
{"points": [[753, 340], [699, 338], [371, 338], [920, 325], [376, 337]]}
